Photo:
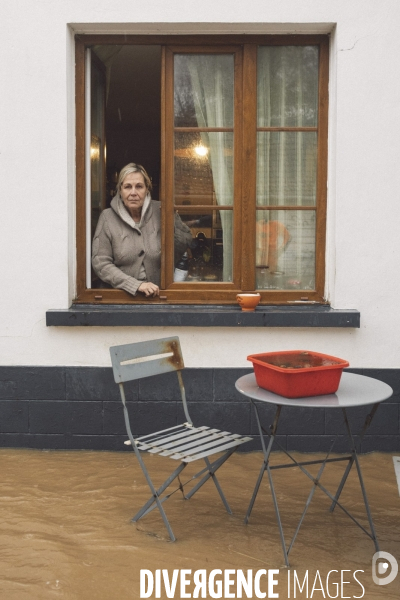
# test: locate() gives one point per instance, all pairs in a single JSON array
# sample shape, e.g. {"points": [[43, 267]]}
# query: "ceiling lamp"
{"points": [[201, 150]]}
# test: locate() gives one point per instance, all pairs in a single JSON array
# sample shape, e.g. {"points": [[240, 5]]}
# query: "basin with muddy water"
{"points": [[65, 529]]}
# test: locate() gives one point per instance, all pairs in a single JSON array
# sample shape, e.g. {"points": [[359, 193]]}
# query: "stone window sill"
{"points": [[86, 315]]}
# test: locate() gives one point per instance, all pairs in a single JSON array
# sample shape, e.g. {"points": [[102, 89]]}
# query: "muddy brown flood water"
{"points": [[65, 530]]}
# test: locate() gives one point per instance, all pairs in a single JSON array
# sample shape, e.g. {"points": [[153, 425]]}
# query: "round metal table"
{"points": [[354, 391]]}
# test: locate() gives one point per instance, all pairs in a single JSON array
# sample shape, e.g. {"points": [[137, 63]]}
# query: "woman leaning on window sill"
{"points": [[126, 251]]}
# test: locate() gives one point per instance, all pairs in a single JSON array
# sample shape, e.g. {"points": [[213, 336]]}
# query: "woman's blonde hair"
{"points": [[133, 168]]}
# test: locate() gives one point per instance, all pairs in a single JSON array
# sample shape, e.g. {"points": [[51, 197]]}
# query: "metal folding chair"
{"points": [[184, 443]]}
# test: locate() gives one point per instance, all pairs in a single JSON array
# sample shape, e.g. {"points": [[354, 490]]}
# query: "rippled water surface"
{"points": [[65, 529]]}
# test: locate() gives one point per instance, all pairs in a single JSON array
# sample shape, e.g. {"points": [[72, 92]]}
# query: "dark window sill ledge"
{"points": [[85, 315]]}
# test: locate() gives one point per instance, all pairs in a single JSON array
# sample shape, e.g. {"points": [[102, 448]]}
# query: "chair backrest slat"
{"points": [[144, 359]]}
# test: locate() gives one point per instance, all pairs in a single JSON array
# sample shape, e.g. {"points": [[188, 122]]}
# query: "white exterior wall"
{"points": [[37, 237]]}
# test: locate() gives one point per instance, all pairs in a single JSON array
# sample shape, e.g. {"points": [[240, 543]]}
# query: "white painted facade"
{"points": [[37, 158]]}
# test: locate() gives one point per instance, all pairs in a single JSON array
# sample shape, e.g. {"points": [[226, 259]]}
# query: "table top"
{"points": [[354, 390]]}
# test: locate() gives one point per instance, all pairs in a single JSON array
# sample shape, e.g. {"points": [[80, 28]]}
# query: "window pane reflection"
{"points": [[193, 179], [286, 168], [285, 250], [203, 172], [203, 90], [287, 86], [210, 257]]}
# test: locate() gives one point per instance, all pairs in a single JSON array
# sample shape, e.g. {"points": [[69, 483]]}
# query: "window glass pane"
{"points": [[287, 86], [210, 257], [193, 180], [286, 168], [206, 178], [203, 90], [203, 168], [285, 249]]}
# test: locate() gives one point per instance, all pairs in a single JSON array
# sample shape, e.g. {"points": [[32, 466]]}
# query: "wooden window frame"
{"points": [[244, 171]]}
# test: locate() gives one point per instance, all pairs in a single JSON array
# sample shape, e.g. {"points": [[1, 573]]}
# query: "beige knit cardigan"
{"points": [[121, 247]]}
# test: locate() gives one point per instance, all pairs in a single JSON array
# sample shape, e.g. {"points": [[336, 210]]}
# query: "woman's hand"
{"points": [[149, 289]]}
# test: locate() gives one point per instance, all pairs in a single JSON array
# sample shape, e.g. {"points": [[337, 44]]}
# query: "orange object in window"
{"points": [[271, 239]]}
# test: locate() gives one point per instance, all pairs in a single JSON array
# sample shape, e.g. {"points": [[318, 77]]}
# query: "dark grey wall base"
{"points": [[142, 315], [80, 408]]}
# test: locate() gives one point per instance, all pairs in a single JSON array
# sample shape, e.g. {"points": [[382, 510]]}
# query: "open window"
{"points": [[233, 132]]}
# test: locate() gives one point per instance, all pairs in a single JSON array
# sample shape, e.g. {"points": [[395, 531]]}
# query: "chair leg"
{"points": [[156, 493], [146, 507], [212, 468], [217, 485], [254, 496]]}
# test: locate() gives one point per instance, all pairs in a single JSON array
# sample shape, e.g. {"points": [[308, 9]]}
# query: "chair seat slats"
{"points": [[177, 439], [160, 435], [214, 445], [149, 435], [190, 458], [197, 443], [195, 437], [190, 443], [156, 438]]}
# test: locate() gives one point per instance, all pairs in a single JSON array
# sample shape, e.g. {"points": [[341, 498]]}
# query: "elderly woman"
{"points": [[126, 250]]}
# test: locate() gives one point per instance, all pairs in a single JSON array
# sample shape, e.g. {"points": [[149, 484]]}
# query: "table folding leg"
{"points": [[352, 459]]}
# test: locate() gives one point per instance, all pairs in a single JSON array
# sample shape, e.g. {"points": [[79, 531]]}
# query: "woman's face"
{"points": [[133, 192]]}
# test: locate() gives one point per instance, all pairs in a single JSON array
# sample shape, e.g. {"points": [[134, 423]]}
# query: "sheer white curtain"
{"points": [[287, 96], [212, 87]]}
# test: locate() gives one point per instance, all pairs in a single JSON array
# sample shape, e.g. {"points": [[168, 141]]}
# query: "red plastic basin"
{"points": [[298, 373]]}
